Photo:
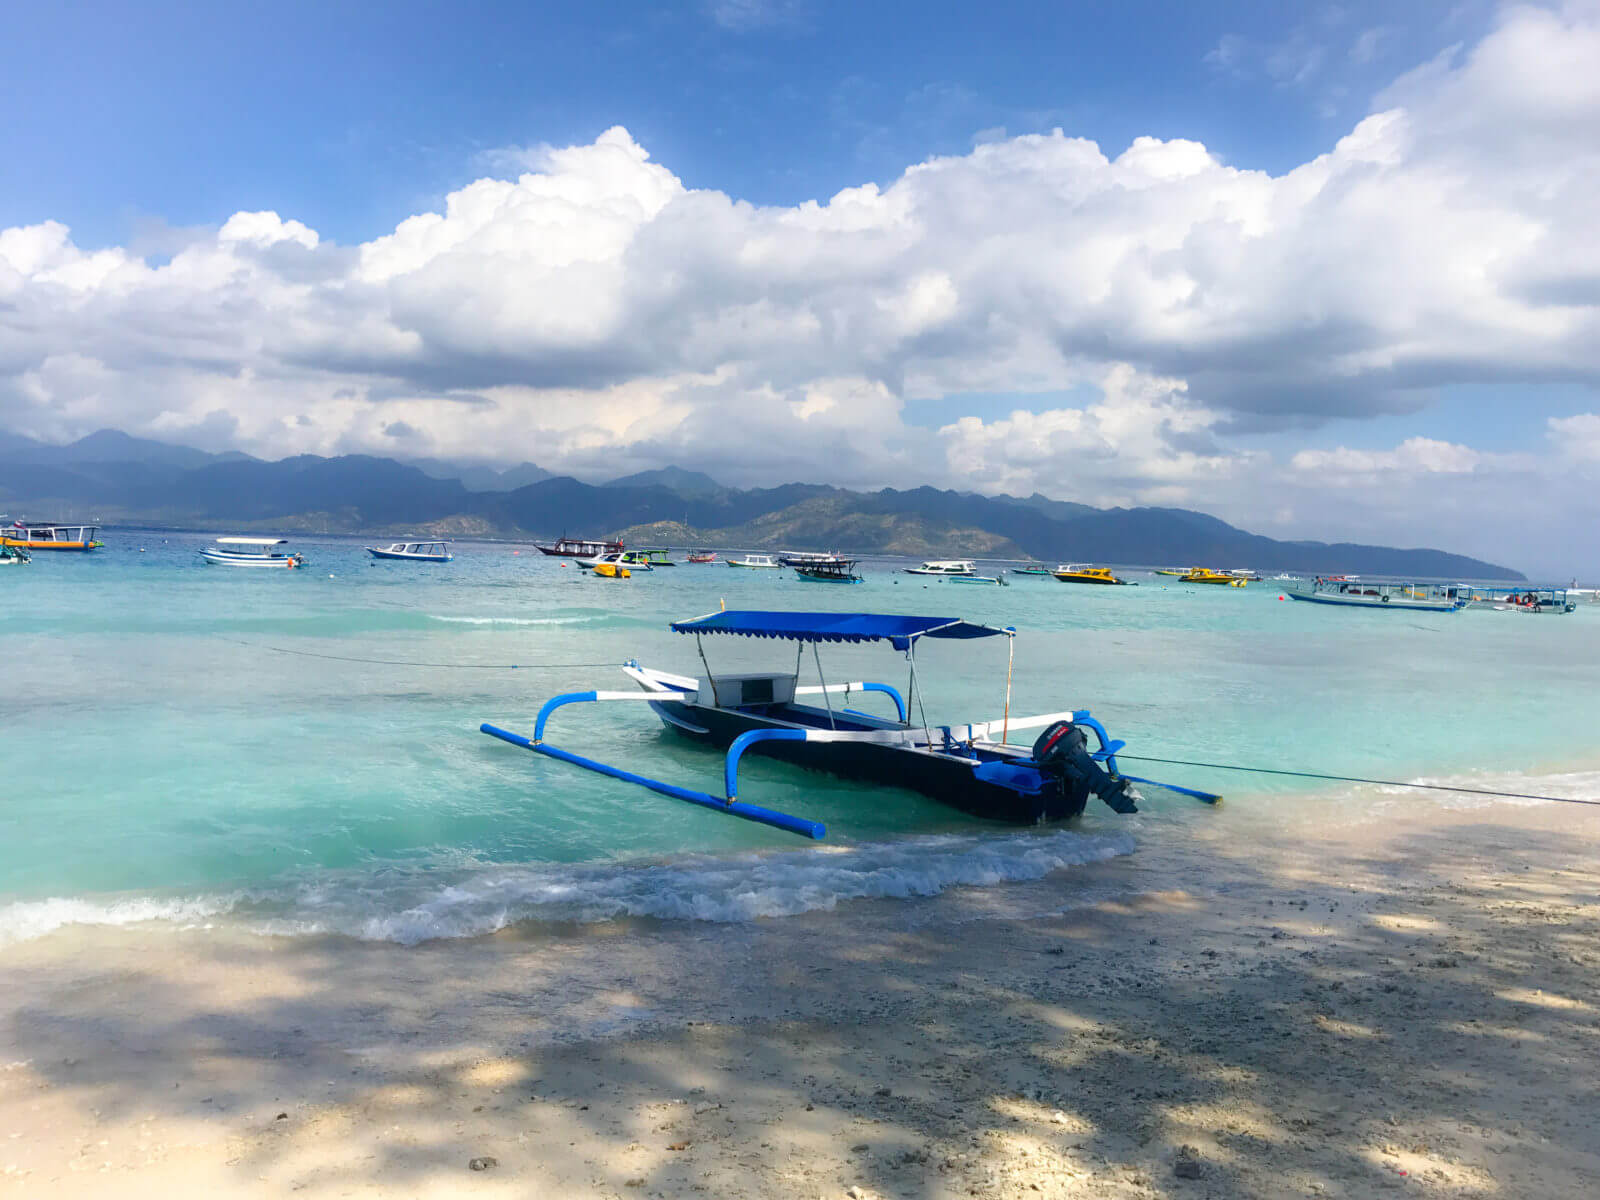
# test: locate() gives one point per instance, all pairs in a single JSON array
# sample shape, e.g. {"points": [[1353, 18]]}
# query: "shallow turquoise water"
{"points": [[166, 758]]}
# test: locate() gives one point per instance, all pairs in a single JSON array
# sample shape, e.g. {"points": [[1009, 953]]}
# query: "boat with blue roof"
{"points": [[974, 767]]}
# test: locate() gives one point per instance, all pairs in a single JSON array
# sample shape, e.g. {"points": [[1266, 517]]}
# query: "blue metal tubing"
{"points": [[750, 812], [1108, 746], [730, 769], [888, 690], [550, 706]]}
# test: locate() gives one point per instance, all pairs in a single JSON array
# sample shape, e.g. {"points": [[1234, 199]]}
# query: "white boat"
{"points": [[13, 556], [622, 558], [1351, 593], [944, 566], [250, 552], [1246, 573], [436, 552], [764, 562]]}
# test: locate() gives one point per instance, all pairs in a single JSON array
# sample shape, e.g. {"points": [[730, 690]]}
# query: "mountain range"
{"points": [[115, 478]]}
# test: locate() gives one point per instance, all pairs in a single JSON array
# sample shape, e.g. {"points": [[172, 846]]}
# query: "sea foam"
{"points": [[415, 905]]}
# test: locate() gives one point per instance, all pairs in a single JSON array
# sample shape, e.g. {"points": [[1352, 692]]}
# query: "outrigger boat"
{"points": [[250, 552], [22, 536], [434, 552], [757, 562], [1348, 594], [972, 767]]}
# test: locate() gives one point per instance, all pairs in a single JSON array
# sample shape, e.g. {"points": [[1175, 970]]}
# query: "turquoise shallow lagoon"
{"points": [[167, 760]]}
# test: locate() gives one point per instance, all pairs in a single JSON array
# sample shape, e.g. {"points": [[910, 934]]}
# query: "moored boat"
{"points": [[757, 562], [1081, 573], [701, 557], [1206, 575], [1394, 596], [1039, 569], [25, 535], [651, 558], [627, 559], [433, 552], [565, 547], [990, 580], [972, 767], [611, 568], [832, 570], [14, 556], [250, 552], [944, 566]]}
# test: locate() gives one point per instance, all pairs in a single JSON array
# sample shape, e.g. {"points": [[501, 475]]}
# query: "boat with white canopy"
{"points": [[973, 767], [250, 552], [434, 552]]}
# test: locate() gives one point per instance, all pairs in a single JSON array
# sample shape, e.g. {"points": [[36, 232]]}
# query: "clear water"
{"points": [[165, 758]]}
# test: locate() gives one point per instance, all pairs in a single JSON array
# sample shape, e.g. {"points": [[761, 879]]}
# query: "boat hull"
{"points": [[949, 779], [228, 560], [24, 544], [1092, 580], [812, 577], [1388, 602], [433, 558]]}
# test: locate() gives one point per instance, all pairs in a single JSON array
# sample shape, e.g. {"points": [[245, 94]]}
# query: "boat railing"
{"points": [[835, 689]]}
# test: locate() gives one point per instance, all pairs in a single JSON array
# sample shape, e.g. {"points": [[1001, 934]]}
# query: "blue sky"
{"points": [[351, 117], [1325, 270]]}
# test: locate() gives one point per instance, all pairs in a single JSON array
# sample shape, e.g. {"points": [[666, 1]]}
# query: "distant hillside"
{"points": [[114, 478]]}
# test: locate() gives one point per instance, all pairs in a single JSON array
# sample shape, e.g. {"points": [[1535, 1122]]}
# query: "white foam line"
{"points": [[512, 620]]}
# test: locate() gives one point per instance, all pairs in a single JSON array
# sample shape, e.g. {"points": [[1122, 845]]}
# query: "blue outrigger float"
{"points": [[971, 767]]}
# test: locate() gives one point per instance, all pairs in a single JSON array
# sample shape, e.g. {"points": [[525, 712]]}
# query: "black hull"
{"points": [[948, 780]]}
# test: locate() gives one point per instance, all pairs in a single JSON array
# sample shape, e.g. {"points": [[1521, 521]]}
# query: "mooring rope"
{"points": [[406, 662], [1432, 787]]}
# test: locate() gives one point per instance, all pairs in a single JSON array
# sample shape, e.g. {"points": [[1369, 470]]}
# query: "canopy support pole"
{"points": [[1011, 657], [818, 659], [710, 678]]}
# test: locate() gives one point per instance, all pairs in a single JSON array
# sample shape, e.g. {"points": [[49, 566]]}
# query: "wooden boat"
{"points": [[1079, 573], [944, 566], [24, 536], [565, 547], [1394, 596], [833, 570], [250, 552], [1549, 601], [434, 552], [757, 562], [702, 556], [1206, 575], [972, 767], [805, 558]]}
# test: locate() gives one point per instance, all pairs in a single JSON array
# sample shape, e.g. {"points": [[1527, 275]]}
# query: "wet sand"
{"points": [[1406, 1007]]}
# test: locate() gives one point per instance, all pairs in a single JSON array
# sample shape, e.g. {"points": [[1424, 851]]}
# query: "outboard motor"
{"points": [[1062, 753]]}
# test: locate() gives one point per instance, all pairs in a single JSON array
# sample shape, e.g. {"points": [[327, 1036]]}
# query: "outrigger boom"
{"points": [[967, 766]]}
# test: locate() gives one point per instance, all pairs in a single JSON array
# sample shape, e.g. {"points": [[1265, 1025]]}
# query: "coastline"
{"points": [[1388, 1004]]}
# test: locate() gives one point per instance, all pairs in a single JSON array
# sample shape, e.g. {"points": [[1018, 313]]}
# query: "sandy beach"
{"points": [[1404, 1007]]}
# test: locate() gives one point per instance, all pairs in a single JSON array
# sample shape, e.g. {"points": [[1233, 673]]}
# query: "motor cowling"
{"points": [[1062, 752]]}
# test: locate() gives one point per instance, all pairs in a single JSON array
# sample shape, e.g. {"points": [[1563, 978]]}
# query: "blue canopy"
{"points": [[898, 631]]}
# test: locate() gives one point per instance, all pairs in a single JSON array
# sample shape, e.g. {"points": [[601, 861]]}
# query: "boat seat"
{"points": [[1024, 779]]}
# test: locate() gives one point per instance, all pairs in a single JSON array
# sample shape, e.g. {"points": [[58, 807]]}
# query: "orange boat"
{"points": [[50, 537]]}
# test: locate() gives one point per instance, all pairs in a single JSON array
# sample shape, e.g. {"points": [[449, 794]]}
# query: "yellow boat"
{"points": [[1207, 575], [1175, 570], [1078, 573], [611, 570], [50, 537]]}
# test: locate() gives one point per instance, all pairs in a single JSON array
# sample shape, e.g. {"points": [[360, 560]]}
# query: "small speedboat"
{"points": [[434, 552], [250, 552], [1039, 570], [1206, 575], [991, 580], [1079, 573], [619, 559], [13, 556], [944, 566], [758, 562]]}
